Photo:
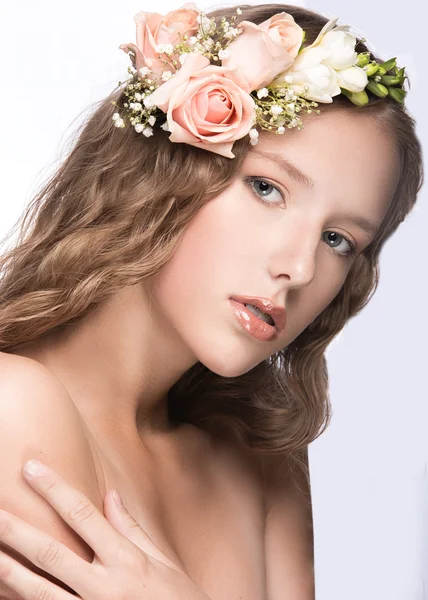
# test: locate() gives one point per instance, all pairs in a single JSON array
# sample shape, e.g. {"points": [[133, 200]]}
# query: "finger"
{"points": [[125, 524], [29, 585], [76, 510], [45, 552]]}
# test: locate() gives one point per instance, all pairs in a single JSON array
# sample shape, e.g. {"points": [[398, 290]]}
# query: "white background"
{"points": [[369, 470]]}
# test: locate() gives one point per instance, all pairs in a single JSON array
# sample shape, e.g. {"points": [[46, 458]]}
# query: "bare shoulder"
{"points": [[39, 420]]}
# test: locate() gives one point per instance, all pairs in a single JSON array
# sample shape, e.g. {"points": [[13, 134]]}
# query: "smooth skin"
{"points": [[126, 564], [92, 401]]}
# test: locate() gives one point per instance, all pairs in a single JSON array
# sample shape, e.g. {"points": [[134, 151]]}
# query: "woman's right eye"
{"points": [[259, 186]]}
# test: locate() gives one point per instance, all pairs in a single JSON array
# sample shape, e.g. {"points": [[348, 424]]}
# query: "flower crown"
{"points": [[209, 83]]}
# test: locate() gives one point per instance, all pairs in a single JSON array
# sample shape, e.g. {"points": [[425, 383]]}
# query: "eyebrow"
{"points": [[288, 167]]}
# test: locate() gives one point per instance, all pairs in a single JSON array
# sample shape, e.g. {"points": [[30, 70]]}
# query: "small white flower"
{"points": [[139, 127], [144, 70], [254, 134], [232, 32], [275, 109], [132, 69], [159, 48], [288, 79], [168, 49], [138, 96], [119, 123], [135, 106], [182, 58], [192, 40], [223, 54], [152, 120], [148, 101], [116, 116], [281, 129], [147, 131], [291, 107], [166, 75], [165, 127], [239, 11], [209, 42], [262, 93]]}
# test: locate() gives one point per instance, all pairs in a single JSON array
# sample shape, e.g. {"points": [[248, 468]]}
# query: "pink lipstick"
{"points": [[254, 324]]}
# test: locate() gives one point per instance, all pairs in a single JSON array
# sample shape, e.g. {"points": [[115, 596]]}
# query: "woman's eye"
{"points": [[262, 189], [348, 248]]}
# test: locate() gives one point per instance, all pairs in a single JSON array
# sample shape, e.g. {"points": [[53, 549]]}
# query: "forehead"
{"points": [[345, 154]]}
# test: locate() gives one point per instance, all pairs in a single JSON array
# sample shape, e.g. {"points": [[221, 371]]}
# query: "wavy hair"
{"points": [[112, 215]]}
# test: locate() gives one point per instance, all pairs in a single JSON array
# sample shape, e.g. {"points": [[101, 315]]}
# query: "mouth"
{"points": [[259, 316]]}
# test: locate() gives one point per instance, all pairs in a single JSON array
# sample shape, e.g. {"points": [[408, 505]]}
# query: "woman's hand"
{"points": [[127, 564]]}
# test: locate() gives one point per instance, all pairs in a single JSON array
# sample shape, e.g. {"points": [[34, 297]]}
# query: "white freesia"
{"points": [[353, 79], [339, 47], [326, 65]]}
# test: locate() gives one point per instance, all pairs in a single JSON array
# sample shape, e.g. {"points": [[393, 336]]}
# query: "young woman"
{"points": [[134, 350]]}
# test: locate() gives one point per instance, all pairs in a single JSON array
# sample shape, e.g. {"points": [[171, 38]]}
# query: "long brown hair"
{"points": [[112, 215]]}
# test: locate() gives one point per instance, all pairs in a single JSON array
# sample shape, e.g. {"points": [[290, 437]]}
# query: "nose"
{"points": [[293, 252]]}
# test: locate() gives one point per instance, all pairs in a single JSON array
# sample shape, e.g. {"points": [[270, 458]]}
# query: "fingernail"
{"points": [[34, 469], [117, 498]]}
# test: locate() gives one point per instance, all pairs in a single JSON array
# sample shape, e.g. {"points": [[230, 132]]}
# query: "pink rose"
{"points": [[263, 51], [154, 29], [206, 104]]}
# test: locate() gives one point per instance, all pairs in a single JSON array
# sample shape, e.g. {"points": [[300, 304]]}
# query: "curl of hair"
{"points": [[112, 215]]}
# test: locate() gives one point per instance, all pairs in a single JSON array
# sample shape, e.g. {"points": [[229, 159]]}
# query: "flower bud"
{"points": [[388, 65], [377, 89], [381, 70], [372, 69], [390, 80], [357, 98], [397, 94], [363, 59]]}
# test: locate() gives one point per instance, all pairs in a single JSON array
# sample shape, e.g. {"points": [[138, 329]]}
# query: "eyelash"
{"points": [[352, 252]]}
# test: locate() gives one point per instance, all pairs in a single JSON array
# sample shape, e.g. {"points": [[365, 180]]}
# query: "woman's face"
{"points": [[271, 236]]}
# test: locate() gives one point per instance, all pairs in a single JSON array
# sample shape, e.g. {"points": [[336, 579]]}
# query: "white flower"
{"points": [[275, 109], [281, 129], [291, 107], [144, 70], [223, 54], [167, 75], [138, 96], [119, 122], [152, 120], [135, 106], [132, 69], [320, 83], [164, 48], [192, 40], [353, 79], [165, 127], [262, 93], [147, 131], [288, 79], [116, 116], [183, 57], [254, 134], [231, 32], [148, 101], [139, 127], [340, 49], [238, 11]]}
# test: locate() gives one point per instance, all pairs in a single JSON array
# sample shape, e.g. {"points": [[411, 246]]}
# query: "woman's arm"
{"points": [[38, 418], [289, 531], [127, 563]]}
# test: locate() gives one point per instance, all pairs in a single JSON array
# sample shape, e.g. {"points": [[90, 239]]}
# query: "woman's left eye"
{"points": [[264, 187]]}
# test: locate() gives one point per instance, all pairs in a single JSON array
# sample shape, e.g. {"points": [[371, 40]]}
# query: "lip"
{"points": [[277, 313]]}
